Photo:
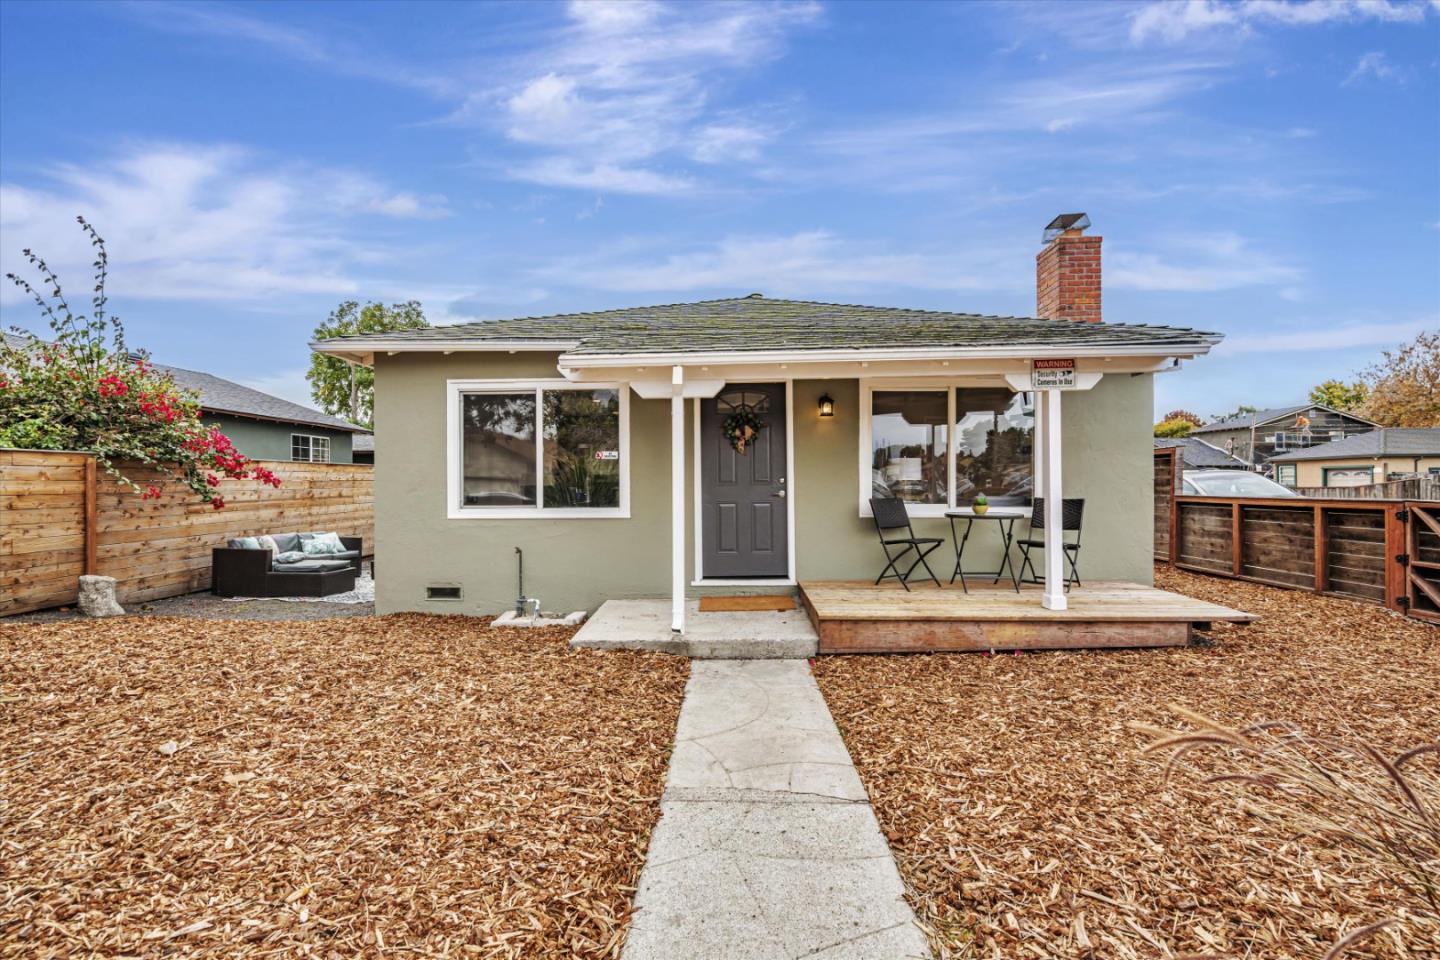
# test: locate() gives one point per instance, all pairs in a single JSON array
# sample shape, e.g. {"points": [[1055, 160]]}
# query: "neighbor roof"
{"points": [[1245, 421], [1385, 442], [363, 443], [756, 323], [1201, 455], [218, 395]]}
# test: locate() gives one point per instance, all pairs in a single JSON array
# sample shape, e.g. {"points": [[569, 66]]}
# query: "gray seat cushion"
{"points": [[345, 555], [311, 566], [286, 542]]}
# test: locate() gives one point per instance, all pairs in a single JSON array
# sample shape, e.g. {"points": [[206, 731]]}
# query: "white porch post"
{"points": [[1054, 596], [677, 499]]}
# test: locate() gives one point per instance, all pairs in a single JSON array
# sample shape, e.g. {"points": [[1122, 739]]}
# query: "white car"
{"points": [[1231, 483]]}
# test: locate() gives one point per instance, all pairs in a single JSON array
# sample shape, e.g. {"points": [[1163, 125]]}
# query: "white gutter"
{"points": [[853, 354]]}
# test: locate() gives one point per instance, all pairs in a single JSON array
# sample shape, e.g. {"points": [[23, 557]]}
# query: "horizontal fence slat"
{"points": [[154, 548]]}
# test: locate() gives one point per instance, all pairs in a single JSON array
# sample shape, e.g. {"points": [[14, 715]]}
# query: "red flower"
{"points": [[218, 503], [211, 479]]}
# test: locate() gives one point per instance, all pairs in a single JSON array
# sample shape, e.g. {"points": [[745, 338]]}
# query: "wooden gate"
{"points": [[1167, 484], [1421, 559]]}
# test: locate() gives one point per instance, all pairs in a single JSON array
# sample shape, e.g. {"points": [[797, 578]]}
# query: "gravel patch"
{"points": [[1027, 823]]}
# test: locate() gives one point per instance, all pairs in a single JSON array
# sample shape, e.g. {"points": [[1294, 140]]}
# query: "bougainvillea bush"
{"points": [[81, 389]]}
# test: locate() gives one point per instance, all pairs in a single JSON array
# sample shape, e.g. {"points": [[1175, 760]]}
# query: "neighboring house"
{"points": [[1256, 437], [362, 448], [631, 485], [1197, 454], [263, 427], [1389, 453]]}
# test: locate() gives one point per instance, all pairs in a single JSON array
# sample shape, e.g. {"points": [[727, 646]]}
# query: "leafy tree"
{"points": [[77, 391], [1339, 395], [1191, 418], [1173, 428], [1404, 387], [344, 389], [1239, 411]]}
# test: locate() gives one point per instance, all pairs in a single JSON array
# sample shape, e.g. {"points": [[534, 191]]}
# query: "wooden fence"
{"points": [[60, 517], [1385, 552], [1415, 488]]}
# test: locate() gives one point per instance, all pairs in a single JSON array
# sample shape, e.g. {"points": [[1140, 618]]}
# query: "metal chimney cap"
{"points": [[1066, 221]]}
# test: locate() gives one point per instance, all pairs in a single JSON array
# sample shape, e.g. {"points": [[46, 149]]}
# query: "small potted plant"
{"points": [[981, 504]]}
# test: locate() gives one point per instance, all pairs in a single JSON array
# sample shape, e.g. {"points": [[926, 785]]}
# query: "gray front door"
{"points": [[743, 500]]}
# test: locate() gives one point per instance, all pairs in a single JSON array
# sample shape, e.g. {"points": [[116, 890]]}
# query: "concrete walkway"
{"points": [[767, 846]]}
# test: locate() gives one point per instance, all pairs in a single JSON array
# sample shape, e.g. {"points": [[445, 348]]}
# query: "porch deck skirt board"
{"points": [[860, 617]]}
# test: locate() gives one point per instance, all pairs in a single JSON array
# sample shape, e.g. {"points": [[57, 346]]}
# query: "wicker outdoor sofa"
{"points": [[240, 571]]}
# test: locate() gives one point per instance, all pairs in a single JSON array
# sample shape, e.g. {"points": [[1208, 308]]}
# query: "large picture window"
{"points": [[537, 449], [937, 447], [994, 445], [908, 440]]}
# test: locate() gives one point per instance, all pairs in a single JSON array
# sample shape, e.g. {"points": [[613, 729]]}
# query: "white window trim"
{"points": [[868, 386], [455, 390], [312, 437]]}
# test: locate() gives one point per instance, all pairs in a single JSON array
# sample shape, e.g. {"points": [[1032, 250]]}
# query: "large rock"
{"points": [[97, 597]]}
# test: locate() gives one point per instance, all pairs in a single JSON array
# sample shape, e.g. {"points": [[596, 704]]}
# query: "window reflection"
{"points": [[909, 437], [994, 445]]}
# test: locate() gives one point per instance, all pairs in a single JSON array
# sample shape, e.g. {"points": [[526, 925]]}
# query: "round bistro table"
{"points": [[1005, 522]]}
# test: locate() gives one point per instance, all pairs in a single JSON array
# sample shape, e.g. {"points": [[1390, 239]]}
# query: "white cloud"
{"points": [[1373, 64], [608, 177], [626, 85], [1198, 263], [814, 262], [1171, 21], [185, 221], [1317, 336], [228, 24]]}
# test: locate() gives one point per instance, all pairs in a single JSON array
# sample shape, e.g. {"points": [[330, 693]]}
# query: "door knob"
{"points": [[780, 494]]}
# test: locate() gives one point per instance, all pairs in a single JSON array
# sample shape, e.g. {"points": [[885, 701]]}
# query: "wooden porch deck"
{"points": [[860, 617]]}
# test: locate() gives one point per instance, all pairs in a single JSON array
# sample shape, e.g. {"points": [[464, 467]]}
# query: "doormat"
{"points": [[745, 604]]}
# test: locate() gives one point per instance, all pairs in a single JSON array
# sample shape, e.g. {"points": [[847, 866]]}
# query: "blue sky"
{"points": [[1267, 169]]}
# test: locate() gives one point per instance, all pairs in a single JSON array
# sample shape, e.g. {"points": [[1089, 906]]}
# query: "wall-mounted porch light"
{"points": [[827, 406]]}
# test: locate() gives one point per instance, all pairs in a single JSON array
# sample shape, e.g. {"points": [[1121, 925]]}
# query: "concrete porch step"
{"points": [[749, 635]]}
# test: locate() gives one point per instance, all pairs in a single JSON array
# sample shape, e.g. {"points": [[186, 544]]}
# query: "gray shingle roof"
{"points": [[363, 443], [757, 323], [218, 395], [1260, 417], [1201, 455], [1385, 442], [1247, 420]]}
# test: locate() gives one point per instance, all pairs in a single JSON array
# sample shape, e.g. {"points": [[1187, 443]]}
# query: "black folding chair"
{"points": [[890, 514], [1072, 512]]}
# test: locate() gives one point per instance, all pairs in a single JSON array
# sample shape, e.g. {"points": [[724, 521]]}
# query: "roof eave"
{"points": [[865, 354], [350, 427]]}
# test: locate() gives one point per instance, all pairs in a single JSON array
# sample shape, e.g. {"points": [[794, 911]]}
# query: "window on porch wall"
{"points": [[909, 437], [994, 445], [993, 437]]}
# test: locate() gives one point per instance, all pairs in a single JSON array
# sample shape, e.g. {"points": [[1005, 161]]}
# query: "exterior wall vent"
{"points": [[443, 591]]}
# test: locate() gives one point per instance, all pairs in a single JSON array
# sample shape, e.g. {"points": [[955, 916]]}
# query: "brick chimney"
{"points": [[1067, 271]]}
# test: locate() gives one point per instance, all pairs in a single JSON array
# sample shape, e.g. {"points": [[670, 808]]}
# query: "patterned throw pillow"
{"points": [[267, 542], [245, 543], [322, 545], [290, 556]]}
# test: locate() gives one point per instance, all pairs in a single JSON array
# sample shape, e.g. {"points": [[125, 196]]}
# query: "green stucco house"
{"points": [[735, 444]]}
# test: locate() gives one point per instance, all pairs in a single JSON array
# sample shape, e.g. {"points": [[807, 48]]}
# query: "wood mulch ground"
{"points": [[1026, 822], [398, 786]]}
